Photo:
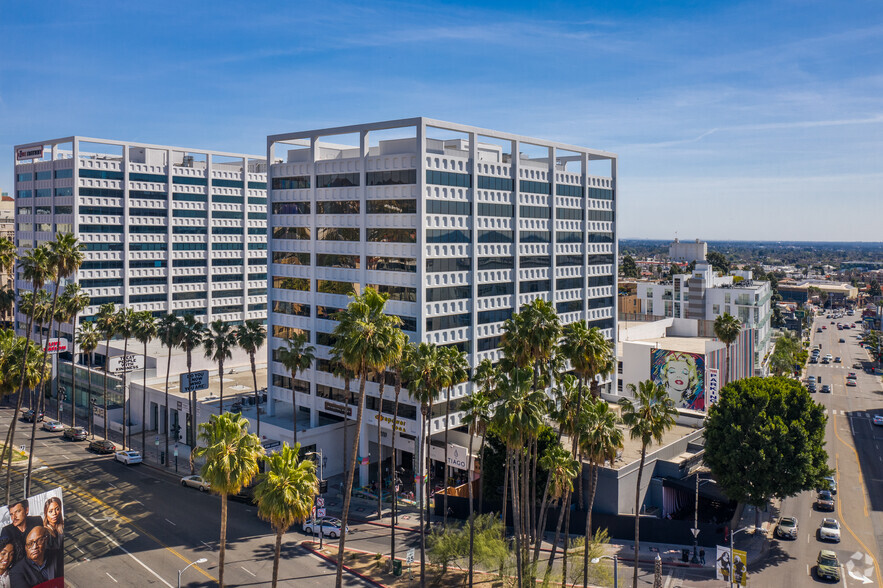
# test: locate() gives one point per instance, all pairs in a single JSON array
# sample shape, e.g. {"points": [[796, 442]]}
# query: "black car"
{"points": [[102, 446], [28, 416]]}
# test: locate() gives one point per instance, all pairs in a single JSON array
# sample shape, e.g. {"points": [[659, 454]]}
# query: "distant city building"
{"points": [[688, 251], [7, 230], [834, 293], [459, 226]]}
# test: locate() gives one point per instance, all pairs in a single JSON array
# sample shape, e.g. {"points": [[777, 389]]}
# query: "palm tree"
{"points": [[476, 415], [485, 378], [219, 344], [75, 301], [394, 347], [8, 255], [297, 356], [231, 456], [361, 336], [563, 470], [647, 417], [144, 330], [284, 494], [169, 333], [87, 338], [192, 333], [339, 370], [727, 329], [250, 337], [106, 321], [405, 348], [125, 322], [601, 440], [456, 368]]}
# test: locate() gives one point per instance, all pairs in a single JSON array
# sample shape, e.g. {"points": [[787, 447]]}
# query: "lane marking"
{"points": [[247, 572], [124, 550], [171, 523], [207, 545], [111, 577]]}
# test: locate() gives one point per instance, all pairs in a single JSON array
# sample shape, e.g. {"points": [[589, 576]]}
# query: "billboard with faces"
{"points": [[32, 542]]}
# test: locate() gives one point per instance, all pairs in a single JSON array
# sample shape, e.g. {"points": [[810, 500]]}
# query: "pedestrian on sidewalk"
{"points": [[702, 556]]}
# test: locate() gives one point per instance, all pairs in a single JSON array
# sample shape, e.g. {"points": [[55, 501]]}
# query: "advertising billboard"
{"points": [[738, 568], [682, 375], [32, 542]]}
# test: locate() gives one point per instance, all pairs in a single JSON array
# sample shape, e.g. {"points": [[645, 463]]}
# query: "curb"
{"points": [[346, 568]]}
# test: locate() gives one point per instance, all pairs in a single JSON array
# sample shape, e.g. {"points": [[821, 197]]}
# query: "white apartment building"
{"points": [[687, 251], [454, 228], [705, 295], [164, 229]]}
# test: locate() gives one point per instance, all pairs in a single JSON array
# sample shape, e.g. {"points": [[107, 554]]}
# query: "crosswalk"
{"points": [[850, 413]]}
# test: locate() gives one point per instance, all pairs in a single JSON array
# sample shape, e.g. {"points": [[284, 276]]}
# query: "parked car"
{"points": [[102, 446], [128, 457], [787, 528], [76, 434], [328, 526], [28, 416], [826, 389], [829, 530], [878, 420], [830, 484], [827, 565], [52, 426], [825, 501], [196, 482]]}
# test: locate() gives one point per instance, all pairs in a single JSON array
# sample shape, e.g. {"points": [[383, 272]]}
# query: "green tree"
{"points": [[284, 494], [219, 343], [718, 261], [74, 301], [727, 329], [231, 456], [628, 268], [765, 437], [297, 356], [563, 470], [191, 334], [144, 330], [125, 323], [250, 337], [88, 338], [874, 288], [477, 414], [169, 332], [106, 321], [647, 417]]}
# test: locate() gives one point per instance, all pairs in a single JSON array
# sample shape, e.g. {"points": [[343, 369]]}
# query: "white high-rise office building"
{"points": [[458, 225], [164, 229]]}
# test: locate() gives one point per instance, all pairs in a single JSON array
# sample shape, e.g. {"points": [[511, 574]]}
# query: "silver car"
{"points": [[196, 482], [787, 528], [829, 530]]}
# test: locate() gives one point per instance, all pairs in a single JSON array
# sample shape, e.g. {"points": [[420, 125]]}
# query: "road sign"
{"points": [[320, 502], [695, 532], [409, 559], [320, 512], [123, 364], [193, 381], [55, 345], [21, 448]]}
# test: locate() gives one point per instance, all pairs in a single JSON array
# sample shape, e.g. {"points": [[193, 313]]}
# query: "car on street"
{"points": [[827, 566], [829, 530], [28, 416], [811, 379], [837, 359], [829, 357], [328, 526], [857, 365], [812, 388], [851, 382], [52, 426], [787, 528], [76, 434], [829, 483], [102, 446], [814, 359], [826, 389], [824, 327], [825, 501], [878, 420], [819, 330], [842, 340], [128, 457], [196, 482]]}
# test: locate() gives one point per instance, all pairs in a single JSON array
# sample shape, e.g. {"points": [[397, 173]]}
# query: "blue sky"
{"points": [[732, 120]]}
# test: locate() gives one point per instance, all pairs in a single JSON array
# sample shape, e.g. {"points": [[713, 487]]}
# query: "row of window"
{"points": [[347, 207], [347, 234]]}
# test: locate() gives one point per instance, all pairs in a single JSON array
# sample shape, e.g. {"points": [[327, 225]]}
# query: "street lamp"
{"points": [[199, 561], [615, 560], [732, 562]]}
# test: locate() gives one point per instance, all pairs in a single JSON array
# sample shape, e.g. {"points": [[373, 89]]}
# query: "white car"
{"points": [[330, 527], [878, 420], [196, 482], [52, 426], [829, 530], [128, 457]]}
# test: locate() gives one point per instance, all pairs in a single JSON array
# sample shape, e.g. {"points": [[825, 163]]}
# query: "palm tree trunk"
{"points": [[294, 409], [221, 378], [348, 489], [564, 504], [727, 380], [257, 396], [346, 420], [191, 438], [422, 522], [446, 470], [638, 515], [505, 492], [74, 372], [481, 476], [471, 510], [144, 407], [223, 542], [106, 361], [536, 533], [10, 434], [593, 486], [525, 506], [276, 557], [166, 407], [566, 537], [428, 459], [516, 516], [394, 486], [380, 450], [125, 391], [41, 400]]}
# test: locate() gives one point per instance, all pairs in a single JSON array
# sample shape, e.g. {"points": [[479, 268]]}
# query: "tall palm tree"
{"points": [[339, 370], [476, 415], [169, 333], [284, 493], [647, 417], [394, 347], [8, 255], [219, 343], [456, 368], [727, 329], [361, 336], [485, 378], [600, 441], [75, 301], [87, 338], [231, 456], [192, 333], [250, 337], [297, 356], [144, 330], [106, 321], [405, 348], [563, 470], [125, 322]]}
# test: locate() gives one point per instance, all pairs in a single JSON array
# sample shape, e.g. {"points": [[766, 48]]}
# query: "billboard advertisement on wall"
{"points": [[682, 375], [32, 542]]}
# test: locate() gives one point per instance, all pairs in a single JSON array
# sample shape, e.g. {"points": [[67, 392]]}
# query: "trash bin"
{"points": [[162, 457], [397, 567]]}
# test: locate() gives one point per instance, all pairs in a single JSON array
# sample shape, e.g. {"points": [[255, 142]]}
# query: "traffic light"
{"points": [[323, 486]]}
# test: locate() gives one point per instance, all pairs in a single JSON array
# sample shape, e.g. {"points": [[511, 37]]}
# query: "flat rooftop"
{"points": [[236, 384], [686, 344]]}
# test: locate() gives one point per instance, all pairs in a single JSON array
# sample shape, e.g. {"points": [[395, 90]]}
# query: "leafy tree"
{"points": [[718, 261], [191, 334], [765, 437], [874, 288], [476, 415], [628, 268]]}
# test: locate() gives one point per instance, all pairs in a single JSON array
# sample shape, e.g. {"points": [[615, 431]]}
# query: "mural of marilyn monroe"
{"points": [[682, 376]]}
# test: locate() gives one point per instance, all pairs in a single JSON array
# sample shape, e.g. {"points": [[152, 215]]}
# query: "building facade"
{"points": [[454, 228], [687, 251]]}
